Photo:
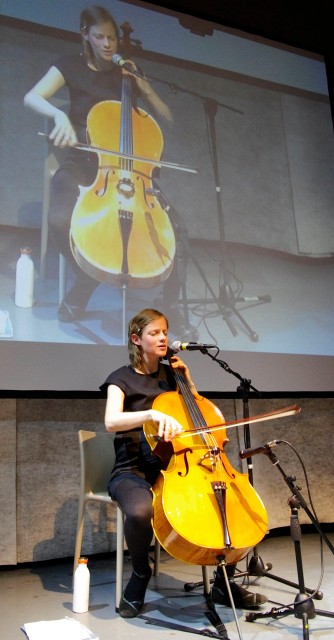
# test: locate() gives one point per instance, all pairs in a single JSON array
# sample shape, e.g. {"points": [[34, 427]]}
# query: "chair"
{"points": [[97, 456]]}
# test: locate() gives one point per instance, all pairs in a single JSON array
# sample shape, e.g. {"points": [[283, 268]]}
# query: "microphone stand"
{"points": [[303, 605], [255, 567]]}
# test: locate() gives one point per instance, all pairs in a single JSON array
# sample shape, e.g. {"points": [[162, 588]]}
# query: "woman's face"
{"points": [[153, 339], [103, 40]]}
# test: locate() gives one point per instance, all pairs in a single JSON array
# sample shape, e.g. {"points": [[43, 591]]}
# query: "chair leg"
{"points": [[119, 556], [62, 278], [79, 534], [157, 553], [206, 581], [50, 167]]}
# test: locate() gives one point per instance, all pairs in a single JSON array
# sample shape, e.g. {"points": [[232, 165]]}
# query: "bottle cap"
{"points": [[83, 561], [25, 250]]}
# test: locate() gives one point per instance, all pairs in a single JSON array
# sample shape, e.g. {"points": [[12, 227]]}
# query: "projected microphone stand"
{"points": [[226, 294], [225, 300], [303, 606]]}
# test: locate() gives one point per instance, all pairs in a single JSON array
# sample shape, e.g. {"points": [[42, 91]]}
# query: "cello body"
{"points": [[119, 231], [204, 509]]}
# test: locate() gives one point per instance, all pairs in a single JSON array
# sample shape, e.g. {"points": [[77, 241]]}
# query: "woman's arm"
{"points": [[177, 363], [37, 99], [149, 95], [159, 106], [118, 420]]}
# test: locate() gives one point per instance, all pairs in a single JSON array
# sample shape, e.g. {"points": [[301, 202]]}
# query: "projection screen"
{"points": [[244, 174]]}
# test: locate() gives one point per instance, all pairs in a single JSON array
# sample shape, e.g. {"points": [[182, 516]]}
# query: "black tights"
{"points": [[220, 578], [135, 499]]}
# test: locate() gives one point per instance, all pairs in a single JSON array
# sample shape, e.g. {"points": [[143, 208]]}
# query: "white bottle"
{"points": [[81, 587], [24, 282]]}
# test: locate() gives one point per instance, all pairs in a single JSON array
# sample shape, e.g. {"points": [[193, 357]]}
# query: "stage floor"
{"points": [[44, 592], [293, 314]]}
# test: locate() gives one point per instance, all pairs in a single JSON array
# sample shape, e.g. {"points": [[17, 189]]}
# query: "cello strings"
{"points": [[195, 413]]}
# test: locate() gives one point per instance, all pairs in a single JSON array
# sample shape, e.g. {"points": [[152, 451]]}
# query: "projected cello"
{"points": [[119, 231]]}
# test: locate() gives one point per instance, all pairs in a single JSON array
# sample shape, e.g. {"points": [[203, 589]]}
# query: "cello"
{"points": [[120, 233], [204, 509]]}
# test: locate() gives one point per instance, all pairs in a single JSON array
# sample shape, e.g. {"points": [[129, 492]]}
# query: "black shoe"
{"points": [[130, 609], [76, 300], [242, 598], [69, 312]]}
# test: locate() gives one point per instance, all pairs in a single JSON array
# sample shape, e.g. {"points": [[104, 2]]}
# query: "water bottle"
{"points": [[81, 587], [24, 282]]}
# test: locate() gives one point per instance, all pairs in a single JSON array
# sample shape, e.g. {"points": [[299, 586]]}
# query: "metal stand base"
{"points": [[212, 614]]}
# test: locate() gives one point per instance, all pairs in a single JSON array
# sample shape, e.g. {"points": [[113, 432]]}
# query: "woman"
{"points": [[131, 390], [91, 77]]}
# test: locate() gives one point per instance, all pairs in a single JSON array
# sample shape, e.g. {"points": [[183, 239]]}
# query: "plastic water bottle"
{"points": [[81, 587], [24, 282]]}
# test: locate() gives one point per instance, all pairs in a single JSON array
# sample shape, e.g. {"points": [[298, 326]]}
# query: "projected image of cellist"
{"points": [[113, 229], [132, 393]]}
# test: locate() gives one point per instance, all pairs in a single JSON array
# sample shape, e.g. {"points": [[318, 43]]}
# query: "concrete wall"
{"points": [[40, 471]]}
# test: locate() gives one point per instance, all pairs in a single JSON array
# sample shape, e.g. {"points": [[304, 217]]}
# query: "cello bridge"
{"points": [[211, 456], [126, 188]]}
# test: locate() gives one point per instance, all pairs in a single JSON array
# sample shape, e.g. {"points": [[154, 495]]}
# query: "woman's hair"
{"points": [[90, 17], [136, 325]]}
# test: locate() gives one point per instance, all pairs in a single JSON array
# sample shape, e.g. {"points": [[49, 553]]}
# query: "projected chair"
{"points": [[50, 167], [97, 456]]}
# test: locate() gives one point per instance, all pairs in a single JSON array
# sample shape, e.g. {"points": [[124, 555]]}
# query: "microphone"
{"points": [[265, 298], [263, 448], [117, 59], [177, 345]]}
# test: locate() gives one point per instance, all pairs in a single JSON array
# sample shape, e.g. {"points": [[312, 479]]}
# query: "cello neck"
{"points": [[126, 132], [196, 415]]}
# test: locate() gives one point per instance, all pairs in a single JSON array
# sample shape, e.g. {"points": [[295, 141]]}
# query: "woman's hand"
{"points": [[148, 93], [177, 363], [169, 428], [63, 134]]}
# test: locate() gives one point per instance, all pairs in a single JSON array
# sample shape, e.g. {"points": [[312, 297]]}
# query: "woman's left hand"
{"points": [[147, 92], [177, 363]]}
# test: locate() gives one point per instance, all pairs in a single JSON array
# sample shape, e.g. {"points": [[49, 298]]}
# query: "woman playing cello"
{"points": [[131, 391], [91, 77]]}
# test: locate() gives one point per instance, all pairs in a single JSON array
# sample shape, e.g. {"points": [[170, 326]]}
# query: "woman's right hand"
{"points": [[168, 428], [63, 134]]}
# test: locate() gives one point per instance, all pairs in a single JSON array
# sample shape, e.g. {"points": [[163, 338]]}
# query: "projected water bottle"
{"points": [[24, 282]]}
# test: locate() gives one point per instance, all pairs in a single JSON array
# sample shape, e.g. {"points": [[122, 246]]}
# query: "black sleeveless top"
{"points": [[133, 453]]}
